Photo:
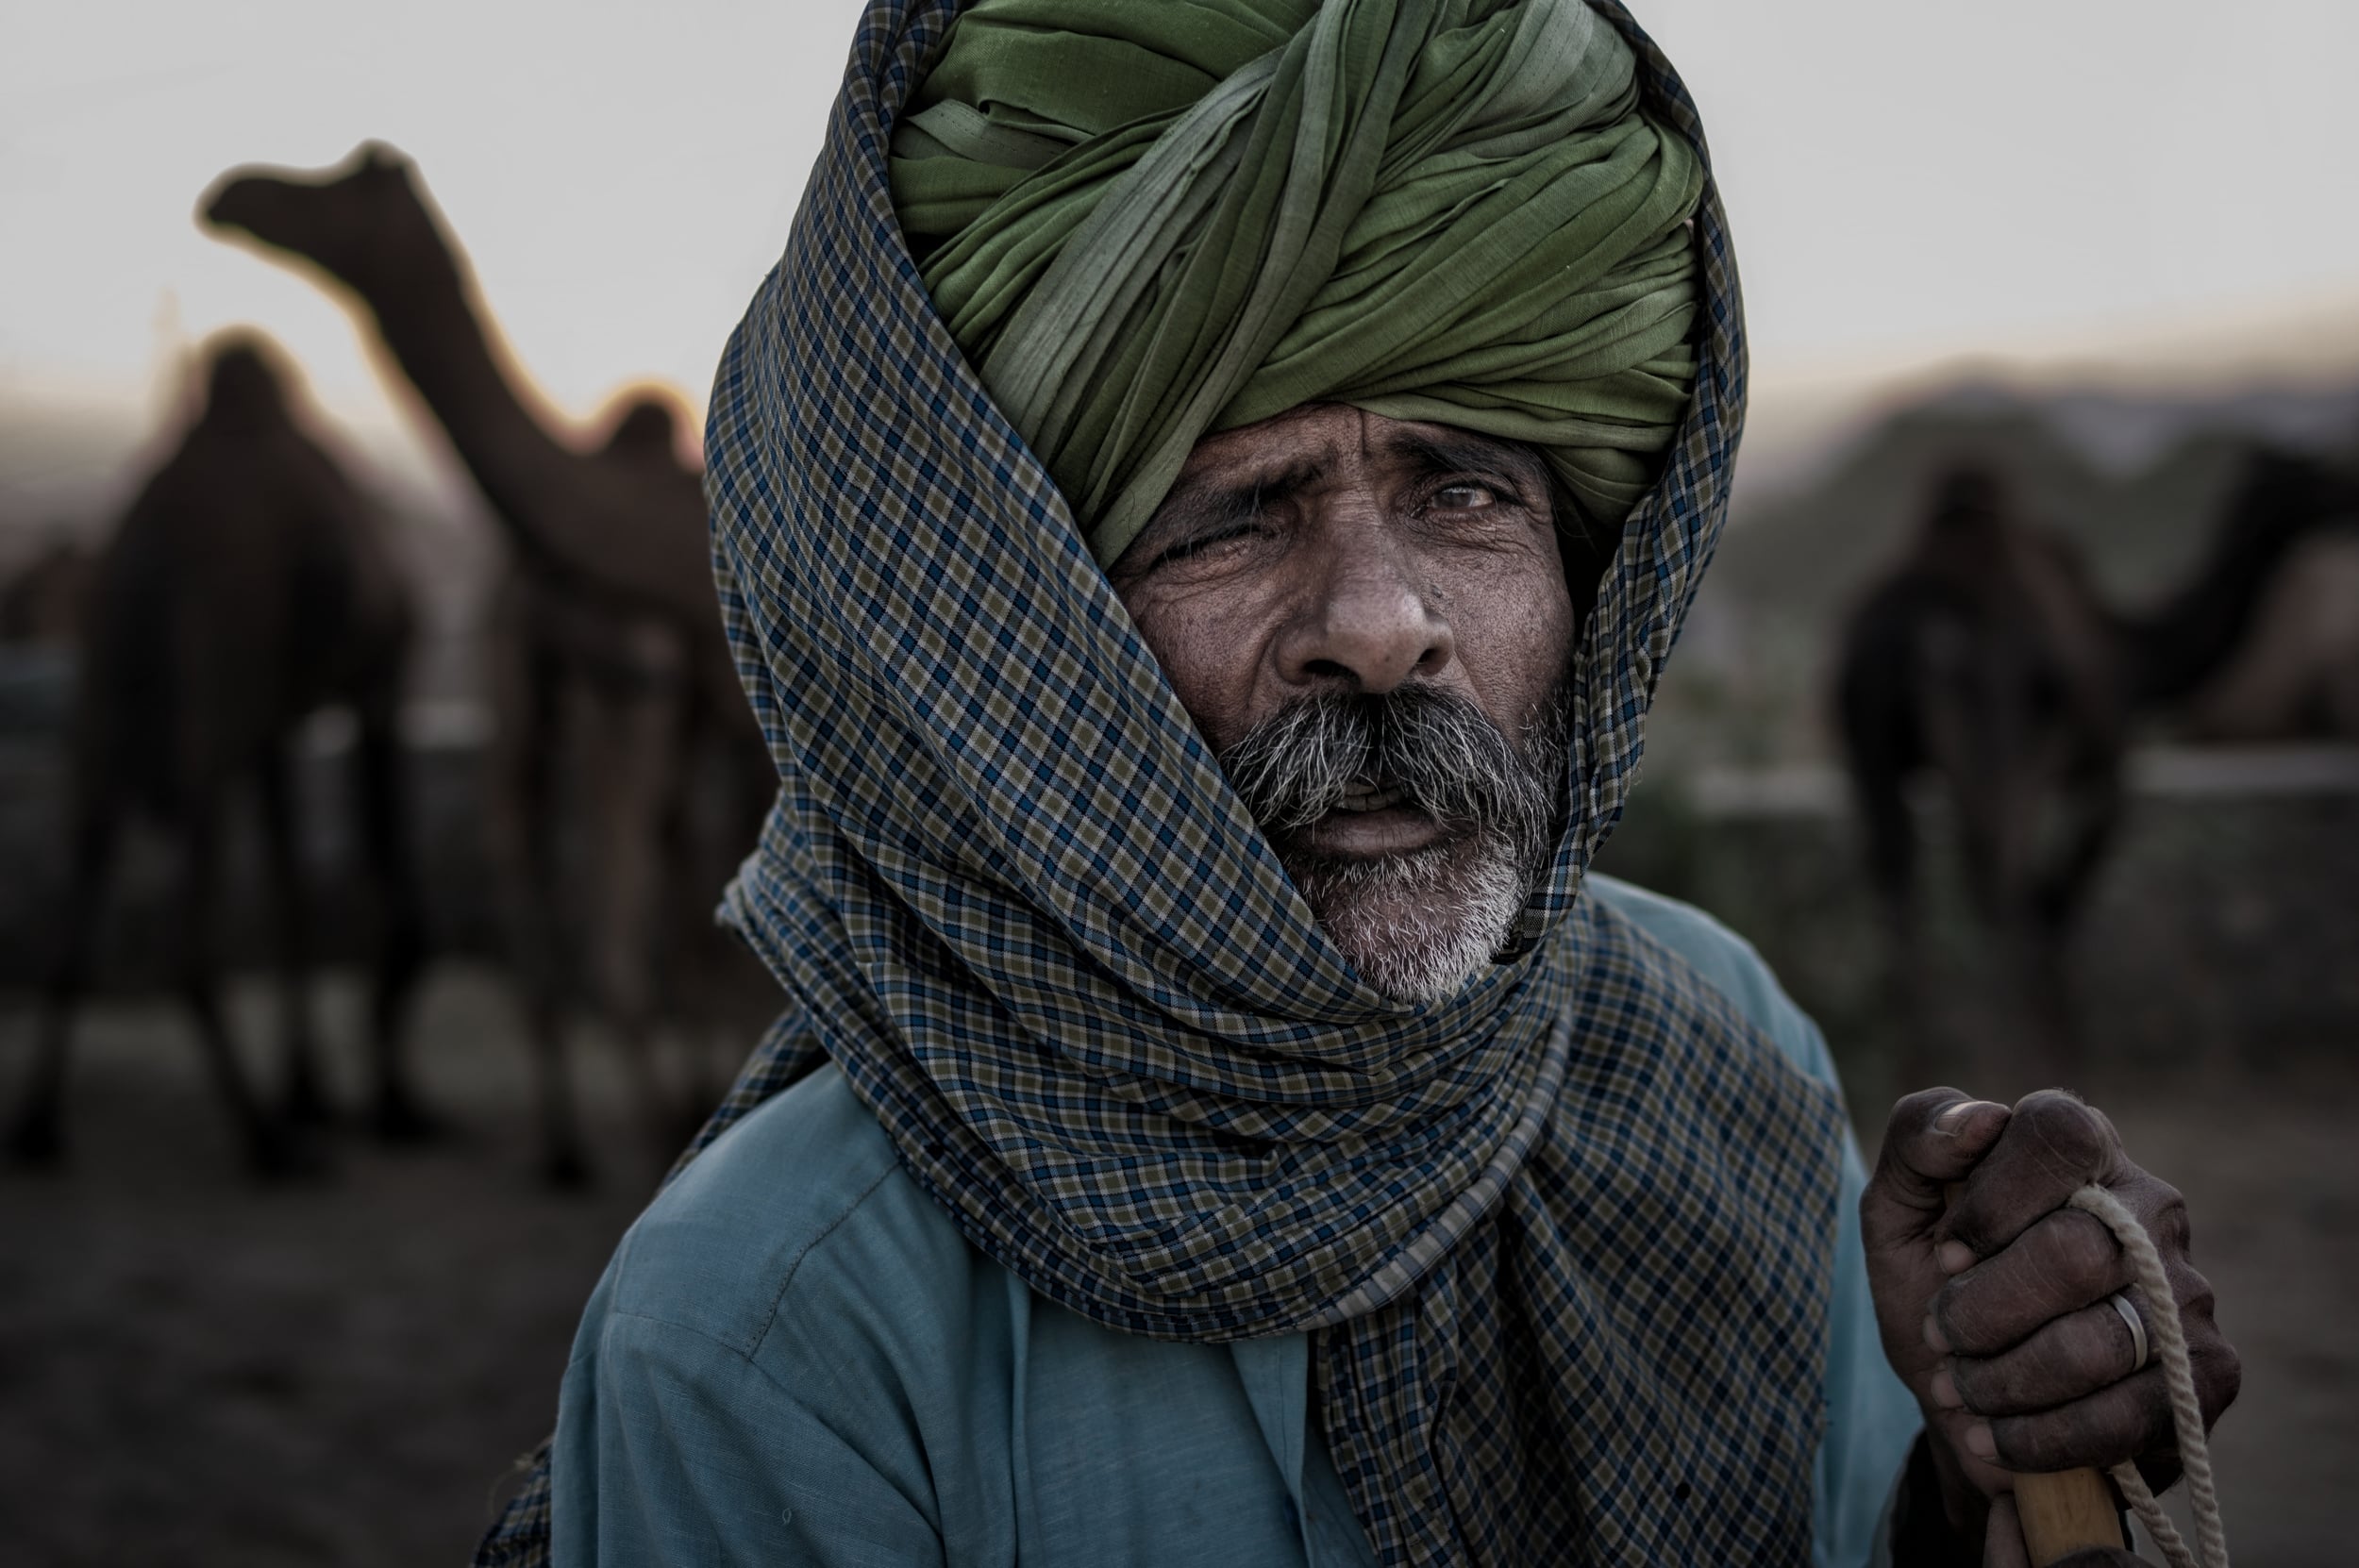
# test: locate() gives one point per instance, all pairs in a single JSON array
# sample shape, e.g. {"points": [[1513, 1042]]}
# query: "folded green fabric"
{"points": [[1148, 222]]}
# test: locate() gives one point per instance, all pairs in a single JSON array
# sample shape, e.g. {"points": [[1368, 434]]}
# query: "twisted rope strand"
{"points": [[2187, 1413]]}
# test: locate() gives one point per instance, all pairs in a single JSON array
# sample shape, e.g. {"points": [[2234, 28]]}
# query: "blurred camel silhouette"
{"points": [[610, 630], [2297, 676], [1985, 658], [248, 586], [45, 601]]}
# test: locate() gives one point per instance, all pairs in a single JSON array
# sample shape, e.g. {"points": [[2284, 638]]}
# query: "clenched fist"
{"points": [[1995, 1311]]}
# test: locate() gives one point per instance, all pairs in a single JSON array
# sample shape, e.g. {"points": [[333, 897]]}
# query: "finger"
{"points": [[1934, 1138], [2118, 1422], [2219, 1374], [2065, 1262], [2002, 1536], [2067, 1358], [2218, 1371], [2049, 1148]]}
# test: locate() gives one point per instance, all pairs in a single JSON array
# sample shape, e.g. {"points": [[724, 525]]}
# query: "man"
{"points": [[1202, 505]]}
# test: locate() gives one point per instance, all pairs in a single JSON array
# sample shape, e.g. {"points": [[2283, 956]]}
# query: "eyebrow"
{"points": [[1441, 452], [1196, 507]]}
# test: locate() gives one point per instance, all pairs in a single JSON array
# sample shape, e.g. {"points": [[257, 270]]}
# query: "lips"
{"points": [[1369, 821], [1367, 796]]}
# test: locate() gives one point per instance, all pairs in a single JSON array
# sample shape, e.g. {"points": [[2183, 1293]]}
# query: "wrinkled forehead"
{"points": [[1332, 437]]}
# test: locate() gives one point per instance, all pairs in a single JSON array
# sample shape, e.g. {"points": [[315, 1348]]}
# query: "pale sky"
{"points": [[1910, 181]]}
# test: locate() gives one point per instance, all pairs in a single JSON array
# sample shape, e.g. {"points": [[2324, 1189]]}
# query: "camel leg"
{"points": [[692, 947], [399, 1116], [1879, 790], [690, 964], [526, 683], [635, 802], [305, 1101], [2091, 812], [268, 1149], [38, 1135]]}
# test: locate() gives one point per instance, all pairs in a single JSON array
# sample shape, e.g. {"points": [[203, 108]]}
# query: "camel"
{"points": [[609, 631], [248, 586], [1987, 659], [625, 521]]}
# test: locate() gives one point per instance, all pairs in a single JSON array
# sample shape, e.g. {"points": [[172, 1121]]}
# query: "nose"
{"points": [[1367, 623]]}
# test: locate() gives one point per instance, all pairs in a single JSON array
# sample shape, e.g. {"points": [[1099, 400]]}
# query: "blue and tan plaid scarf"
{"points": [[1564, 1242]]}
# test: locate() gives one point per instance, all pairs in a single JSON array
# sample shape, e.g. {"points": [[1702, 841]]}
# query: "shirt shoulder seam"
{"points": [[706, 1336], [796, 1266]]}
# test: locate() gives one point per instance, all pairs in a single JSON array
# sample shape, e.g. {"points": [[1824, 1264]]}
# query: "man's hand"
{"points": [[1994, 1311]]}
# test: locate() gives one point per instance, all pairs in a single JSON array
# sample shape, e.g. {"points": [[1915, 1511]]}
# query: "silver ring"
{"points": [[2121, 1304]]}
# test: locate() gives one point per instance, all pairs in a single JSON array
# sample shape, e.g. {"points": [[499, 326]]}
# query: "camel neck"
{"points": [[2179, 644], [431, 322]]}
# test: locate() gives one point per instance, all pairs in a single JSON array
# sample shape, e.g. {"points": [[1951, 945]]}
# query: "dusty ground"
{"points": [[2269, 1169], [195, 1372]]}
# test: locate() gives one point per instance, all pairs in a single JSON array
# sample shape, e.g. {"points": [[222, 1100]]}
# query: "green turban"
{"points": [[1148, 220]]}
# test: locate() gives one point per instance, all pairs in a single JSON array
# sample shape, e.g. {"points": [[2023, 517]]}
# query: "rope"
{"points": [[2169, 1338]]}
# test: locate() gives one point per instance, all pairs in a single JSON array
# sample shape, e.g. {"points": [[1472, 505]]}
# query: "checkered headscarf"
{"points": [[1564, 1241]]}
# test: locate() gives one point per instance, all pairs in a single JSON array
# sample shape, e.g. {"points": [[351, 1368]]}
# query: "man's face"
{"points": [[1368, 621]]}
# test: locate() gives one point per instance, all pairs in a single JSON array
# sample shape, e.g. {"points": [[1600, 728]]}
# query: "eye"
{"points": [[1204, 544], [1469, 496]]}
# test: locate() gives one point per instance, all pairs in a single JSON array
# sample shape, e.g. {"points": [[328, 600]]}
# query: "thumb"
{"points": [[1934, 1138], [2002, 1536]]}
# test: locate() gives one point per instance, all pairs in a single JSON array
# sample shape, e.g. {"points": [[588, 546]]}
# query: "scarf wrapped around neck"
{"points": [[1564, 1242]]}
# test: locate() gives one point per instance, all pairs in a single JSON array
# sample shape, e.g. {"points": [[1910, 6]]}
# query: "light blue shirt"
{"points": [[795, 1358]]}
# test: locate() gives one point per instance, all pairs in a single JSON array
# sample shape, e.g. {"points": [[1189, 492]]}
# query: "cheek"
{"points": [[1208, 654], [1515, 634]]}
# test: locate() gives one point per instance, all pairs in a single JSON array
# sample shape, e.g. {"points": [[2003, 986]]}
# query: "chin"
{"points": [[1417, 926]]}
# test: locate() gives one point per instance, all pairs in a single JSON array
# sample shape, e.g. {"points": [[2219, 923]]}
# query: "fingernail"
{"points": [[1949, 1121], [1979, 1443], [1954, 1256], [1933, 1336], [1945, 1391]]}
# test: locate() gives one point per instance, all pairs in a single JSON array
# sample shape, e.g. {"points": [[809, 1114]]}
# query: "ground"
{"points": [[200, 1372]]}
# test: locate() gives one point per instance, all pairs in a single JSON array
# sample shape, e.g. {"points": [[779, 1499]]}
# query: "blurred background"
{"points": [[2018, 723]]}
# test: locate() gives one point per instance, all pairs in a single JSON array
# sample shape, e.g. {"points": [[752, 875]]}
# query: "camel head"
{"points": [[359, 222], [2281, 495]]}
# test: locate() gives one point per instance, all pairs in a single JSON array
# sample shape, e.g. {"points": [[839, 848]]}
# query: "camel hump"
{"points": [[647, 424], [252, 525], [246, 375]]}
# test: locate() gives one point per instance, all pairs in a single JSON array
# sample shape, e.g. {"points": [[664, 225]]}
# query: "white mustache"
{"points": [[1431, 750]]}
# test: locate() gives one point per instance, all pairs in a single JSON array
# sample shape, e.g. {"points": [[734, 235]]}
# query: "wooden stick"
{"points": [[2065, 1512], [2062, 1511]]}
